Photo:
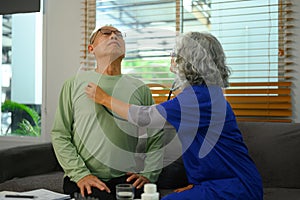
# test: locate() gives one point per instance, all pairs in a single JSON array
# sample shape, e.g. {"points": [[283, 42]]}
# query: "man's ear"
{"points": [[90, 48]]}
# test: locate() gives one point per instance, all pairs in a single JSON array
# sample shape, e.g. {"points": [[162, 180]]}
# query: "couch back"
{"points": [[275, 148]]}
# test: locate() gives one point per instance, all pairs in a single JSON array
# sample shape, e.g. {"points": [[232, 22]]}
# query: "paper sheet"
{"points": [[39, 194]]}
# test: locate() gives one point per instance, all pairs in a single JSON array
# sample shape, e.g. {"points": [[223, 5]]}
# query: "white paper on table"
{"points": [[40, 194]]}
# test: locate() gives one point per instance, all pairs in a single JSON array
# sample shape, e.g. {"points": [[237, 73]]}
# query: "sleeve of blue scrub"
{"points": [[146, 116]]}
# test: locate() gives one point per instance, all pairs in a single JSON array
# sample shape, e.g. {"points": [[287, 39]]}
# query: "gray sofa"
{"points": [[274, 147], [30, 167]]}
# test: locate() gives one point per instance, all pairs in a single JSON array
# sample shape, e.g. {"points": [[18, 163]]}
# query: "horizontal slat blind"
{"points": [[261, 101], [259, 56], [255, 36], [88, 22]]}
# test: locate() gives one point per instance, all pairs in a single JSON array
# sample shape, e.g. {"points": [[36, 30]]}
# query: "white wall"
{"points": [[61, 52]]}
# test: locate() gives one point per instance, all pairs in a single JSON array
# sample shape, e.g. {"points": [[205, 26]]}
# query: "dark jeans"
{"points": [[71, 188]]}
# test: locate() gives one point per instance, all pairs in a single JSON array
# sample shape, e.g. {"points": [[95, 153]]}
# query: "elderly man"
{"points": [[95, 147]]}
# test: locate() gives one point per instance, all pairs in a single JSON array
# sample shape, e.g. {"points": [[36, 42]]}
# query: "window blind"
{"points": [[255, 36], [88, 22]]}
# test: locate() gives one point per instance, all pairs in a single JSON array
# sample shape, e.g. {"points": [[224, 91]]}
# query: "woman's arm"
{"points": [[98, 95], [142, 116]]}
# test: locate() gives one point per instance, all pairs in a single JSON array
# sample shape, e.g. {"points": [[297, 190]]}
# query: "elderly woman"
{"points": [[215, 157]]}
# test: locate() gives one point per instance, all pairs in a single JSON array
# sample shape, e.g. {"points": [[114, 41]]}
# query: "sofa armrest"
{"points": [[27, 161]]}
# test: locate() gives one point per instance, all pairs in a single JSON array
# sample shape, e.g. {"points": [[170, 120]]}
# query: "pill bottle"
{"points": [[150, 192]]}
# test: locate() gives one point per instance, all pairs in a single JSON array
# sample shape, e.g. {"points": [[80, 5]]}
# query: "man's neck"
{"points": [[112, 69]]}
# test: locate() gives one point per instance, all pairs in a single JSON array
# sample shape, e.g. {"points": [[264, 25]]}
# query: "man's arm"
{"points": [[62, 136], [154, 156], [154, 147], [66, 152]]}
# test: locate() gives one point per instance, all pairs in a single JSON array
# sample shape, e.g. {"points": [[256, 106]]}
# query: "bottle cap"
{"points": [[149, 188]]}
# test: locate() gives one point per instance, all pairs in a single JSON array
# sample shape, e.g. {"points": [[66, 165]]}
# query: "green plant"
{"points": [[24, 127]]}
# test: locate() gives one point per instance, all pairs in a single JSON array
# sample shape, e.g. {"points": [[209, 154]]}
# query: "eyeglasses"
{"points": [[173, 54], [106, 32]]}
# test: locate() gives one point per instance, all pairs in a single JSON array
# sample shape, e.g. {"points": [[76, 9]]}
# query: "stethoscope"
{"points": [[172, 89]]}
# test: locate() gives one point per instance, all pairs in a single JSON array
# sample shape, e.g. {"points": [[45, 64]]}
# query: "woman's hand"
{"points": [[190, 186], [96, 93], [99, 96]]}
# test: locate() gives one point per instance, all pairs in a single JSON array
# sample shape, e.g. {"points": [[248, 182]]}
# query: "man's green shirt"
{"points": [[90, 139]]}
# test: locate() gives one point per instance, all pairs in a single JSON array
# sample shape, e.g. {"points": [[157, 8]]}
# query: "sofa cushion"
{"points": [[281, 194], [164, 192], [269, 193], [275, 148], [52, 181]]}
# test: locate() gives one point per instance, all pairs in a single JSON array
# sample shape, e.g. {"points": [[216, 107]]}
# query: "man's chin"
{"points": [[117, 55]]}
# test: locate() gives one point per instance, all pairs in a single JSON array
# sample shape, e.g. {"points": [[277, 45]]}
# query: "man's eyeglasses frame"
{"points": [[106, 32]]}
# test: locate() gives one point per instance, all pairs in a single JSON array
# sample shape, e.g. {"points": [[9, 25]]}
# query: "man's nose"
{"points": [[113, 36]]}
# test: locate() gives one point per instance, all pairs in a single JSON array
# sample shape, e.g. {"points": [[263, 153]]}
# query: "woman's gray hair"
{"points": [[201, 60]]}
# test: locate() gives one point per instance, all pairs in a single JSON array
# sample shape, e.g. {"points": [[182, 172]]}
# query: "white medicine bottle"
{"points": [[150, 192]]}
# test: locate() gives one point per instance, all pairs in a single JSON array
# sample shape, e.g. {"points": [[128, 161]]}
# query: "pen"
{"points": [[19, 196]]}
